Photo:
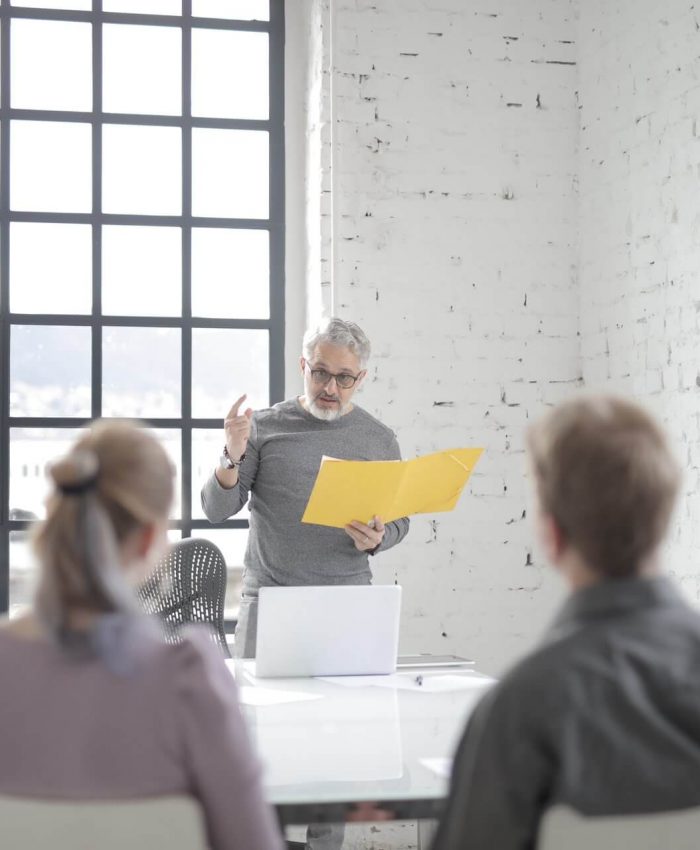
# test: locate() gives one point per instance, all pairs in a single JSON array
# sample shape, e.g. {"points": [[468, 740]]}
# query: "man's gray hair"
{"points": [[338, 332]]}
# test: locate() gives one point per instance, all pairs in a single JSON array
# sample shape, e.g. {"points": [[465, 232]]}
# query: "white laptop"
{"points": [[327, 631]]}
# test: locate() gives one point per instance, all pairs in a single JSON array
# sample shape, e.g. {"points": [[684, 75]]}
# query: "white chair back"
{"points": [[564, 829], [159, 823]]}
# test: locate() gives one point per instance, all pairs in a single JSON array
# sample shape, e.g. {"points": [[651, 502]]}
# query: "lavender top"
{"points": [[71, 729]]}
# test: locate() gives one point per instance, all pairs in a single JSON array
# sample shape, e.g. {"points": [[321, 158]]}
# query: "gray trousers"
{"points": [[319, 836], [244, 639]]}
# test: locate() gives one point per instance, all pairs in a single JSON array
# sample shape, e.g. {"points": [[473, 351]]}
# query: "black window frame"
{"points": [[275, 224]]}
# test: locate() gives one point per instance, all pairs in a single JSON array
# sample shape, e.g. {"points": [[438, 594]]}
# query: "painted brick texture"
{"points": [[639, 165], [510, 207], [449, 179]]}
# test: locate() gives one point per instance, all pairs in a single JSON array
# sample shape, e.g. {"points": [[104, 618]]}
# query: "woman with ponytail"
{"points": [[95, 705]]}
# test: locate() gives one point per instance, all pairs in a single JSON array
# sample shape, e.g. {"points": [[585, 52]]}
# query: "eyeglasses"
{"points": [[343, 380]]}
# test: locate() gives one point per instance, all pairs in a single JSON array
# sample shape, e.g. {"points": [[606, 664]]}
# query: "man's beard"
{"points": [[327, 414]]}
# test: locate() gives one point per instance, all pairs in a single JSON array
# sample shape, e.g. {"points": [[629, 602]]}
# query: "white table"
{"points": [[357, 742]]}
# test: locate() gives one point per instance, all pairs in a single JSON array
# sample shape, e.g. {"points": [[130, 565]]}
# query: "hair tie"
{"points": [[79, 487]]}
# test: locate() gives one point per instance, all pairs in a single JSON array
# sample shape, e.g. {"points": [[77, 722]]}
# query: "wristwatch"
{"points": [[227, 462]]}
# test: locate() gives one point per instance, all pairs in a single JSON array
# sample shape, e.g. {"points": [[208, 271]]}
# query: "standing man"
{"points": [[274, 455]]}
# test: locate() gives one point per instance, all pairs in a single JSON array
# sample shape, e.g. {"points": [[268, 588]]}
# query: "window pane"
{"points": [[171, 440], [31, 451], [226, 364], [230, 74], [141, 372], [50, 268], [51, 166], [230, 273], [80, 5], [23, 573], [141, 271], [230, 173], [241, 10], [142, 170], [51, 65], [142, 69], [50, 370], [207, 445], [144, 7], [232, 542]]}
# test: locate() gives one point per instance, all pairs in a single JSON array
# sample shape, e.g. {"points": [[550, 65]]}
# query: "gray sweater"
{"points": [[282, 460]]}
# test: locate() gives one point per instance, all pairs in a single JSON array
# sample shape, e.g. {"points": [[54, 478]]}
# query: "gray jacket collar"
{"points": [[612, 598]]}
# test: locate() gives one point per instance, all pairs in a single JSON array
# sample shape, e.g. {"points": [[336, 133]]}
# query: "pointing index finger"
{"points": [[236, 405]]}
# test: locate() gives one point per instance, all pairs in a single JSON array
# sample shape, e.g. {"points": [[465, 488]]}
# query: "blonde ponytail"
{"points": [[116, 479]]}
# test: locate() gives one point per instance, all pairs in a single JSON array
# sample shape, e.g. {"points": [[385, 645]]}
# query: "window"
{"points": [[141, 238]]}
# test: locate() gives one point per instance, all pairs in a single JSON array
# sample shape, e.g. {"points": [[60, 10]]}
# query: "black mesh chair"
{"points": [[188, 586]]}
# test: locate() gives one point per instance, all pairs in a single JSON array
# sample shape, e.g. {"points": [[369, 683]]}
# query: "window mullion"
{"points": [[4, 313], [186, 342], [96, 210]]}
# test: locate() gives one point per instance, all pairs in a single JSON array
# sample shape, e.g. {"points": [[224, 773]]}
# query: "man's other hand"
{"points": [[366, 537]]}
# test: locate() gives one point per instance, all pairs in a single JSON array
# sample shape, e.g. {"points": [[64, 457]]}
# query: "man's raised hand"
{"points": [[237, 429]]}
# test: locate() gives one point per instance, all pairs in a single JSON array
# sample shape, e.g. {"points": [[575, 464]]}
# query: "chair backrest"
{"points": [[564, 829], [188, 586], [161, 823]]}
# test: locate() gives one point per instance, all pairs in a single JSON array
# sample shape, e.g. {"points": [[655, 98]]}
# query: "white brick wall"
{"points": [[448, 233], [509, 205], [639, 164]]}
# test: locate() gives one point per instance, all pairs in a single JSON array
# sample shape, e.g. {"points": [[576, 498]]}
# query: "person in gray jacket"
{"points": [[273, 456], [604, 717]]}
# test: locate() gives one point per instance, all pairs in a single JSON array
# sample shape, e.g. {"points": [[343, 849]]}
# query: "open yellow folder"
{"points": [[360, 489]]}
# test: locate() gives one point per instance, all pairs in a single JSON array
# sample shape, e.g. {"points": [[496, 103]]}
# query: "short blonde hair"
{"points": [[605, 473]]}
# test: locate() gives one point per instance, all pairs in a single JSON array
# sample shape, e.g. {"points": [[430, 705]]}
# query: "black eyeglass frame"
{"points": [[344, 375]]}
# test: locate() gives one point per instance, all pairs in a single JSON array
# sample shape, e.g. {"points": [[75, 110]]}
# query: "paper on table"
{"points": [[423, 683], [269, 696], [238, 667], [382, 681], [441, 766], [347, 490], [251, 695], [249, 668], [454, 683]]}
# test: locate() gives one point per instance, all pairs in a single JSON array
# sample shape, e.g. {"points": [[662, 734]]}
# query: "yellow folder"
{"points": [[347, 490]]}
